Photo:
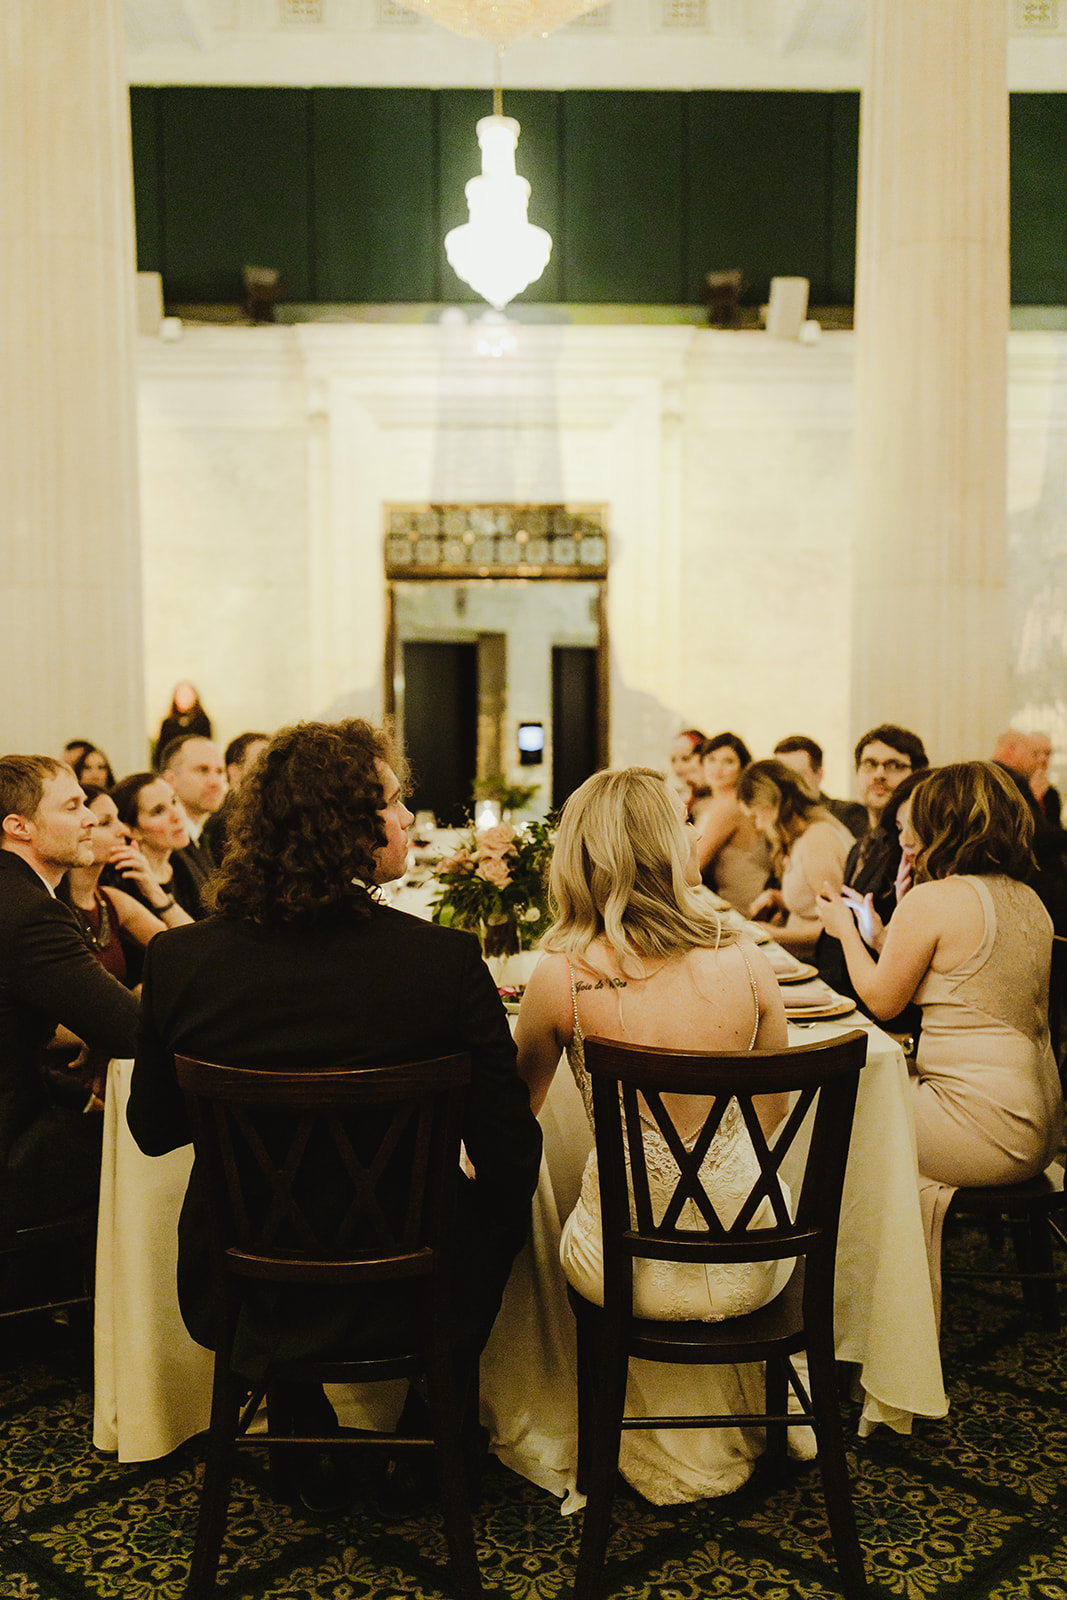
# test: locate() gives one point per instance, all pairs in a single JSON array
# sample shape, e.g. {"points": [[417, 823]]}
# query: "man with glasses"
{"points": [[885, 756]]}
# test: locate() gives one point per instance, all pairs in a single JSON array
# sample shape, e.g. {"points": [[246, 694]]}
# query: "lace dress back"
{"points": [[669, 1467]]}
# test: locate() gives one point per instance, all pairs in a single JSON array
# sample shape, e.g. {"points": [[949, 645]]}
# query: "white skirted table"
{"points": [[153, 1383]]}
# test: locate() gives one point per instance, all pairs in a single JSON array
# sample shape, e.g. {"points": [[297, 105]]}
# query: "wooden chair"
{"points": [[67, 1244], [1034, 1213], [391, 1138], [629, 1082]]}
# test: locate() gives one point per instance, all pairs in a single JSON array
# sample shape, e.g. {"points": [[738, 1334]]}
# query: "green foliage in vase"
{"points": [[512, 796], [495, 885]]}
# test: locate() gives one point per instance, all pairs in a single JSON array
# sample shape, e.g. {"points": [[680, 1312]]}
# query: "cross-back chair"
{"points": [[342, 1177], [628, 1083]]}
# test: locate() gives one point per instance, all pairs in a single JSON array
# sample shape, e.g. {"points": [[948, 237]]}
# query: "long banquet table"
{"points": [[153, 1383]]}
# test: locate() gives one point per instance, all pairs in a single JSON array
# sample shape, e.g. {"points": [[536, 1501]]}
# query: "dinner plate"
{"points": [[840, 1008], [801, 975]]}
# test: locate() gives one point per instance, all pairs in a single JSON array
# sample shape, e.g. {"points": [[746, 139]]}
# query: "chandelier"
{"points": [[499, 252]]}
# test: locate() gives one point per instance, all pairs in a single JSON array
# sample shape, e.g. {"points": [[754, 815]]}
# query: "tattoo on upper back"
{"points": [[602, 983]]}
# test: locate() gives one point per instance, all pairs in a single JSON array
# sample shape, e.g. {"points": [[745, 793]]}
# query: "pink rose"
{"points": [[494, 871], [462, 861], [496, 841]]}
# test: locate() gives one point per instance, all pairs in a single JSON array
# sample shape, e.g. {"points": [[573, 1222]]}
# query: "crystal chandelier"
{"points": [[499, 252]]}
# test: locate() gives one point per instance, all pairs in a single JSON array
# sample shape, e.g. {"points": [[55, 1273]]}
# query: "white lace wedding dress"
{"points": [[669, 1466]]}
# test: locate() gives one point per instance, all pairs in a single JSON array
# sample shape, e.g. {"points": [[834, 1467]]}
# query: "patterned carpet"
{"points": [[970, 1508]]}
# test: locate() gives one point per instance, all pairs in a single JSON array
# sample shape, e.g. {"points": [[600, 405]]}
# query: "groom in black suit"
{"points": [[49, 1151], [302, 961]]}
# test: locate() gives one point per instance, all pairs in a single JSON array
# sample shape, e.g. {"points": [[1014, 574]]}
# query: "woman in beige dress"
{"points": [[734, 860], [972, 945], [634, 954], [809, 847]]}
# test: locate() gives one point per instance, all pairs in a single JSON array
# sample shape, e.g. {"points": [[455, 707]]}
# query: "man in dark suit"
{"points": [[303, 962], [49, 1152], [193, 767]]}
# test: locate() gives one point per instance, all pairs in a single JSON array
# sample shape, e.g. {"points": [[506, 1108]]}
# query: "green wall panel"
{"points": [[758, 170], [351, 191], [147, 188], [623, 197], [374, 223], [1039, 199], [235, 190], [844, 191]]}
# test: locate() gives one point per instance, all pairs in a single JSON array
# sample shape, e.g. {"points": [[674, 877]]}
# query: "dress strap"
{"points": [[755, 995], [578, 1034]]}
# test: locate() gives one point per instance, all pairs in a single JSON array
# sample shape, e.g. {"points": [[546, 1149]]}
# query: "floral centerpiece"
{"points": [[495, 886]]}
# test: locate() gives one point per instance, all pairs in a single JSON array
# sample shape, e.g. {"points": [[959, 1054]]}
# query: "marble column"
{"points": [[929, 642], [70, 591]]}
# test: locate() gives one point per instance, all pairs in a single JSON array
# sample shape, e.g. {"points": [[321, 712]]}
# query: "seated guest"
{"points": [[116, 925], [194, 769], [49, 1153], [734, 860], [885, 756], [686, 774], [155, 821], [1041, 786], [636, 955], [302, 961], [808, 850], [242, 754], [1016, 753], [805, 758], [92, 766], [972, 944]]}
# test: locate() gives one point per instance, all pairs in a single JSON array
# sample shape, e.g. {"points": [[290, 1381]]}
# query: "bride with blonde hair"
{"points": [[636, 953]]}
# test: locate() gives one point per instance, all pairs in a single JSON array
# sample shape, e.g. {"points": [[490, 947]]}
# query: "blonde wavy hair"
{"points": [[619, 872], [971, 818]]}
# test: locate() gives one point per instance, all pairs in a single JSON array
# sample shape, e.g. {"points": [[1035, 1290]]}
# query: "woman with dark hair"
{"points": [[734, 860], [93, 767], [808, 845], [635, 954], [156, 823], [972, 944]]}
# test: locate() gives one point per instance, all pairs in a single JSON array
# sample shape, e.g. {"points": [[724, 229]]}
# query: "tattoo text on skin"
{"points": [[601, 983]]}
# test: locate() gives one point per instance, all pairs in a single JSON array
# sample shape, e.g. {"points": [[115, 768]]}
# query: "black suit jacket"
{"points": [[383, 989], [49, 1155]]}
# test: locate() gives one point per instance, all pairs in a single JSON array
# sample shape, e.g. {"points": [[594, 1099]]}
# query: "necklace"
{"points": [[97, 938]]}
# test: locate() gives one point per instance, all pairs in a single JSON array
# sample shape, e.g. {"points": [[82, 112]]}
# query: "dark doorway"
{"points": [[441, 727], [574, 718]]}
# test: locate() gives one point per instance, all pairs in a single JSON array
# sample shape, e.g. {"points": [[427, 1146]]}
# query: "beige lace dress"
{"points": [[669, 1467], [987, 1098]]}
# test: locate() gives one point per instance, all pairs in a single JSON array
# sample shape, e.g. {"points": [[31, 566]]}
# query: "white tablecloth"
{"points": [[153, 1384]]}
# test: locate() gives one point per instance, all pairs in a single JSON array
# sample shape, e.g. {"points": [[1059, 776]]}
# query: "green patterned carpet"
{"points": [[970, 1508]]}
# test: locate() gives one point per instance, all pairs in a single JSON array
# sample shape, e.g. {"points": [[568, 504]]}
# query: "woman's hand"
{"points": [[903, 880], [870, 924], [130, 863], [834, 911]]}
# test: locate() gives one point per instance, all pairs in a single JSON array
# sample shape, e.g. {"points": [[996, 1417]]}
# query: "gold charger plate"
{"points": [[821, 1013], [800, 976]]}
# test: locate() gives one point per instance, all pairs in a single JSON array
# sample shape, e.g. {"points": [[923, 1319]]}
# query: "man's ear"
{"points": [[15, 827]]}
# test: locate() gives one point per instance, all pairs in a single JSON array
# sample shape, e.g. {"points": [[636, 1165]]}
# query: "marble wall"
{"points": [[724, 460]]}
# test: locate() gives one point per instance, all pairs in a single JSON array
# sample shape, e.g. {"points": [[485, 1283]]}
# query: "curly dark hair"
{"points": [[305, 827]]}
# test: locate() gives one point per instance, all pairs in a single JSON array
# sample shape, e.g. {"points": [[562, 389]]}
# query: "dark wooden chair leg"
{"points": [[605, 1435], [447, 1421], [215, 1494], [833, 1465]]}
